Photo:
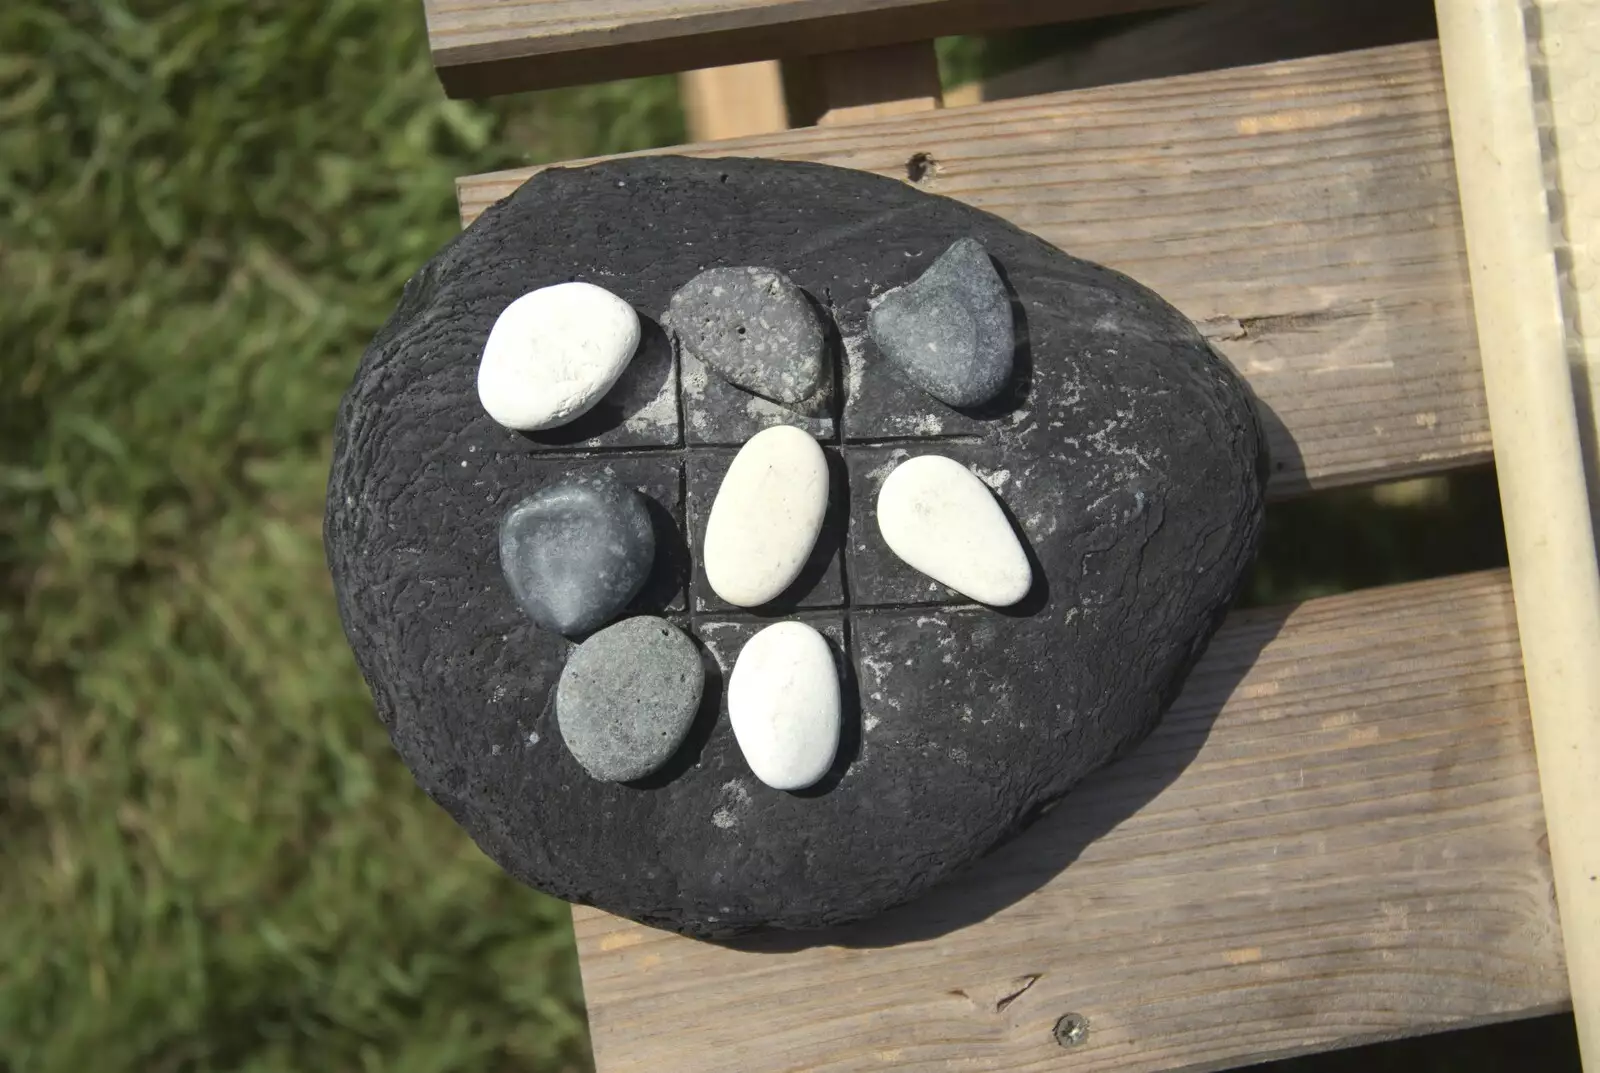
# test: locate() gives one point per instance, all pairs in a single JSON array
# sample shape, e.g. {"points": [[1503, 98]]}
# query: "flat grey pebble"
{"points": [[755, 328], [627, 698], [576, 552], [950, 332]]}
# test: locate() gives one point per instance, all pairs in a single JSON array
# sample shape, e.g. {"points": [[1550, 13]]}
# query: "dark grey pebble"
{"points": [[950, 332], [627, 698], [576, 552], [755, 328]]}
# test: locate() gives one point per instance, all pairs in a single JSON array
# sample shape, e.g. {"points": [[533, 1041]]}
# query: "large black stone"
{"points": [[1126, 450]]}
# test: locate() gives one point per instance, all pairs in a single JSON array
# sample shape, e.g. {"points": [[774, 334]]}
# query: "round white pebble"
{"points": [[553, 353], [766, 517], [783, 702], [941, 519]]}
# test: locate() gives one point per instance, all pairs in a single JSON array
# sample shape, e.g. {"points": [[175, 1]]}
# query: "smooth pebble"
{"points": [[766, 517], [756, 328], [783, 702], [627, 698], [576, 552], [936, 514], [951, 331], [554, 353]]}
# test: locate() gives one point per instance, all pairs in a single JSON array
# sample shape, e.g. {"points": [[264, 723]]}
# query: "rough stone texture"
{"points": [[756, 329], [628, 696], [950, 331], [577, 552], [1132, 465]]}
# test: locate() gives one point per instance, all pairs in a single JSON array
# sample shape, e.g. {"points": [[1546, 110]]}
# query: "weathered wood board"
{"points": [[485, 47]]}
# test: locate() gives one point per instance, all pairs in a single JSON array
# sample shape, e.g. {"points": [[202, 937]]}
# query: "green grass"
{"points": [[212, 859]]}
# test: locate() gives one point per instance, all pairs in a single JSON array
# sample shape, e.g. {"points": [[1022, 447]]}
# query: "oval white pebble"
{"points": [[766, 517], [553, 353], [942, 520], [783, 702]]}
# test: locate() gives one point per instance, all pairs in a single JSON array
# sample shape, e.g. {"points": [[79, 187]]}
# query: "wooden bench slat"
{"points": [[1334, 836], [1304, 213], [485, 47]]}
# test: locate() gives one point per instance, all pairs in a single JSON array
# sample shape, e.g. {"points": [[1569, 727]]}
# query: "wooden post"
{"points": [[1494, 110], [827, 90], [732, 102], [850, 87]]}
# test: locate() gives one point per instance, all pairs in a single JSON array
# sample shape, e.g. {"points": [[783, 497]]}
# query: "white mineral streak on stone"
{"points": [[764, 410], [994, 478], [878, 667], [694, 376], [733, 799], [878, 474], [783, 703], [645, 394], [553, 353], [942, 520], [766, 517], [855, 364]]}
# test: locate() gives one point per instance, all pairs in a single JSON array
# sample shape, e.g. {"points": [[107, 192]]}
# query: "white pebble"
{"points": [[554, 353], [941, 519], [783, 702], [766, 517]]}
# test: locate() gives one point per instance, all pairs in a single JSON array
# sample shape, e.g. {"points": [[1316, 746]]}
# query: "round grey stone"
{"points": [[627, 698], [576, 552], [950, 332], [756, 328]]}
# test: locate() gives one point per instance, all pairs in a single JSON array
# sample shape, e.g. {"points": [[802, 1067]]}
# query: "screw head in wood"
{"points": [[1071, 1029]]}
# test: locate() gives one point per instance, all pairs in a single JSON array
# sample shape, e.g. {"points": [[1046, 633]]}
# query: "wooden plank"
{"points": [[1218, 33], [1334, 836], [732, 102], [1304, 213], [484, 47], [853, 87], [1494, 96]]}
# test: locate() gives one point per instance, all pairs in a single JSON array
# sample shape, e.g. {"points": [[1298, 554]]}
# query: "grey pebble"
{"points": [[756, 328], [627, 698], [950, 332], [576, 552]]}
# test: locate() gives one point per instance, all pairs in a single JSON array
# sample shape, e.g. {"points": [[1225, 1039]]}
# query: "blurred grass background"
{"points": [[212, 860]]}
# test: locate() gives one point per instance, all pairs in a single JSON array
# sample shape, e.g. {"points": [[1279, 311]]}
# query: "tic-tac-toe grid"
{"points": [[671, 421]]}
